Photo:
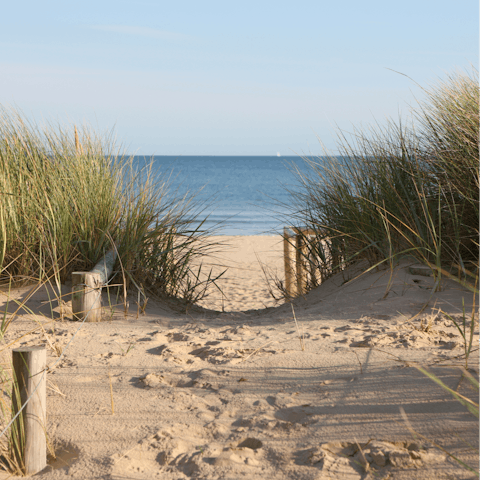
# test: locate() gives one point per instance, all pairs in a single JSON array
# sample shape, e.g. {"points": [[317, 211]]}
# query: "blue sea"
{"points": [[242, 195]]}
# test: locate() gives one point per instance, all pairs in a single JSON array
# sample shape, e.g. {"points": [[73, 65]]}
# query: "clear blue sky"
{"points": [[228, 77]]}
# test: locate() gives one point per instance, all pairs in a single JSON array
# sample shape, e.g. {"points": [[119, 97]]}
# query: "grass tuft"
{"points": [[69, 194], [404, 189]]}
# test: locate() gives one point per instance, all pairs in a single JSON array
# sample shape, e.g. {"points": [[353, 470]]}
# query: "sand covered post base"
{"points": [[28, 440], [87, 289]]}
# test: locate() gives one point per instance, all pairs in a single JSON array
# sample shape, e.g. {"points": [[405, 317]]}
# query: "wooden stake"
{"points": [[287, 259], [87, 289], [29, 438], [300, 252], [87, 296], [295, 254]]}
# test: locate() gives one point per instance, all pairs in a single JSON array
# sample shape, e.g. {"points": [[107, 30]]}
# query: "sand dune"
{"points": [[246, 393]]}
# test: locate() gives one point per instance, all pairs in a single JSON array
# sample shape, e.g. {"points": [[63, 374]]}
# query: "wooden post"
{"points": [[300, 253], [87, 289], [87, 296], [29, 437], [295, 249], [315, 271], [287, 259]]}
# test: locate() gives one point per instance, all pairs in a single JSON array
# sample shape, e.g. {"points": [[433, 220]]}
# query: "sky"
{"points": [[228, 77]]}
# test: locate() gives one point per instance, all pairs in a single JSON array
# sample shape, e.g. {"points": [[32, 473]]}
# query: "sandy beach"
{"points": [[237, 389], [246, 259]]}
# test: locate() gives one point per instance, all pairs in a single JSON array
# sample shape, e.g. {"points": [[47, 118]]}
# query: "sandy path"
{"points": [[244, 284], [213, 395]]}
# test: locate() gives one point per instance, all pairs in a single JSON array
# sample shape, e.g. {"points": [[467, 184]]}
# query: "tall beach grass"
{"points": [[404, 189], [410, 187], [67, 197]]}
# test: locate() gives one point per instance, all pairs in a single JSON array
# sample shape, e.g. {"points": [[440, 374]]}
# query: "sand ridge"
{"points": [[246, 393]]}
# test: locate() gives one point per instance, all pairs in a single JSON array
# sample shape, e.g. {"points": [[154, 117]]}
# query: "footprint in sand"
{"points": [[419, 333], [178, 337], [154, 380], [412, 339], [246, 453], [188, 452], [351, 460]]}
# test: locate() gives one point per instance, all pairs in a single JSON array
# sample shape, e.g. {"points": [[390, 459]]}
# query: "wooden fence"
{"points": [[298, 261]]}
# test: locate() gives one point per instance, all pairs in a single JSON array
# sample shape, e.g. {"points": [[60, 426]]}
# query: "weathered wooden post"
{"points": [[300, 260], [86, 296], [288, 247], [315, 271], [296, 257], [29, 438], [87, 289]]}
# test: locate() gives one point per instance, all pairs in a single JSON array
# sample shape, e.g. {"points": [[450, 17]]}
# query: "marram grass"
{"points": [[404, 189], [407, 188], [69, 196]]}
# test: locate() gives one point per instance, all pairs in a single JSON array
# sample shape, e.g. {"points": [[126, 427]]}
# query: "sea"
{"points": [[238, 195]]}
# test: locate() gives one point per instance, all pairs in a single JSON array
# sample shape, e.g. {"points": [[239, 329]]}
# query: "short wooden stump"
{"points": [[87, 296]]}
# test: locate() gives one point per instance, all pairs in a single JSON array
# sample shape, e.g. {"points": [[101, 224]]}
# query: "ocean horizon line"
{"points": [[229, 156]]}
